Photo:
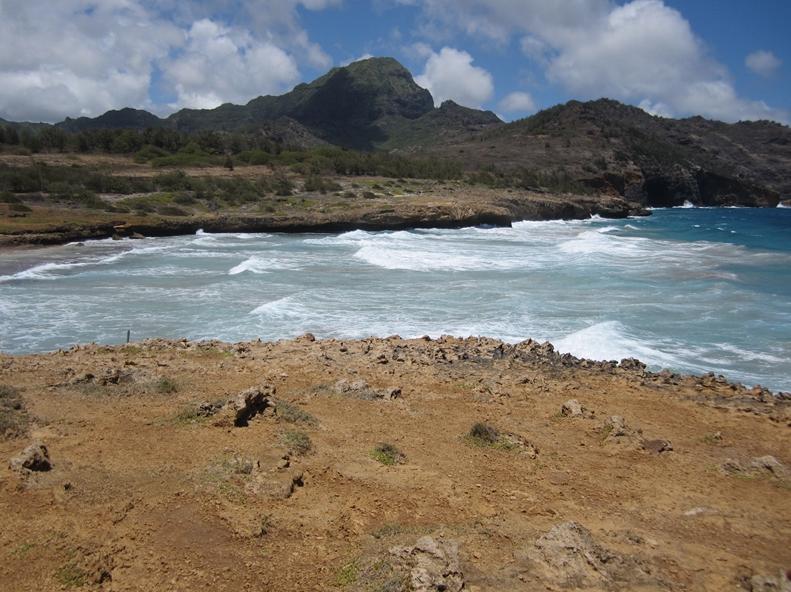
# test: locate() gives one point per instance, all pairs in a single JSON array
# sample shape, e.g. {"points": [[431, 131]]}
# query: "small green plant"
{"points": [[348, 574], [293, 414], [297, 442], [13, 415], [165, 386], [265, 525], [387, 454], [71, 576], [482, 434]]}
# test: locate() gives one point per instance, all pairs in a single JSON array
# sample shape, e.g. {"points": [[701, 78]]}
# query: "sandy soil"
{"points": [[150, 491]]}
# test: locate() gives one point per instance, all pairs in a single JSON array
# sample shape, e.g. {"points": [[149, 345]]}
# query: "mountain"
{"points": [[126, 118], [602, 145], [618, 149], [366, 105]]}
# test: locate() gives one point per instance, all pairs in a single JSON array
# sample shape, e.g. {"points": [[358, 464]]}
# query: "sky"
{"points": [[723, 59]]}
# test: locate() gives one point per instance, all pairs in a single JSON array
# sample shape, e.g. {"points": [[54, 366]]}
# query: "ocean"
{"points": [[689, 289]]}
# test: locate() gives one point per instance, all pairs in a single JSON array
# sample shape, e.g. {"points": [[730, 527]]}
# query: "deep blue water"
{"points": [[689, 289]]}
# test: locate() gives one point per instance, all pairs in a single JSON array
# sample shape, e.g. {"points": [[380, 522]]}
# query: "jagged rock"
{"points": [[276, 484], [359, 389], [520, 443], [431, 564], [632, 364], [619, 433], [766, 583], [657, 446], [250, 403], [769, 465], [568, 557], [33, 458], [573, 408], [759, 466]]}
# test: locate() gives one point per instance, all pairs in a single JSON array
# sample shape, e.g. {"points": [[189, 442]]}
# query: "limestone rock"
{"points": [[250, 403], [359, 389], [568, 557], [33, 458], [573, 408], [432, 565]]}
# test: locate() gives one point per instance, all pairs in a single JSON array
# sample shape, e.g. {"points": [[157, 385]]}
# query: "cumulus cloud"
{"points": [[83, 57], [764, 63], [59, 58], [220, 65], [520, 103], [642, 52], [450, 74]]}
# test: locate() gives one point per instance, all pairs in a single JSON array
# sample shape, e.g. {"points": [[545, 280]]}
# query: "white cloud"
{"points": [[365, 56], [59, 58], [763, 63], [450, 74], [642, 52], [518, 103], [84, 57], [220, 65]]}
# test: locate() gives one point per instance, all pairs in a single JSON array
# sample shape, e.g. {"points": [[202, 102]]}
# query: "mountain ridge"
{"points": [[602, 146]]}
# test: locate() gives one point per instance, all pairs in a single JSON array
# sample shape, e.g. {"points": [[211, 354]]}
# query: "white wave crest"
{"points": [[610, 340]]}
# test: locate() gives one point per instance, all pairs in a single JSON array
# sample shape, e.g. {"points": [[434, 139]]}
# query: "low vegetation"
{"points": [[13, 414], [387, 454], [297, 442]]}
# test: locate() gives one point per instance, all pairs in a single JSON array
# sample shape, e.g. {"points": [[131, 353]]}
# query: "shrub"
{"points": [[387, 454], [297, 442], [483, 434], [321, 185], [13, 415], [293, 414], [165, 386]]}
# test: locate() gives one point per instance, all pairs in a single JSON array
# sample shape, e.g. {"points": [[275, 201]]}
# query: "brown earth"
{"points": [[152, 487]]}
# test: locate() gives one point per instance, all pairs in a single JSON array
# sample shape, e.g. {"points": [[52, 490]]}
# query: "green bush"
{"points": [[387, 454], [297, 442]]}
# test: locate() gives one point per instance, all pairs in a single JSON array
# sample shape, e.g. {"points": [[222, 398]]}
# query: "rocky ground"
{"points": [[385, 465]]}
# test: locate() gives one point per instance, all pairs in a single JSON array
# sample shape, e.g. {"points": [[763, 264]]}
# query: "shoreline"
{"points": [[499, 211], [543, 349], [336, 459]]}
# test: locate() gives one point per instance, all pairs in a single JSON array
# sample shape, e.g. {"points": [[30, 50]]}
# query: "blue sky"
{"points": [[723, 59]]}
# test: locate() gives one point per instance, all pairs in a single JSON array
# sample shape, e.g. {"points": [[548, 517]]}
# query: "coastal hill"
{"points": [[364, 105], [602, 145]]}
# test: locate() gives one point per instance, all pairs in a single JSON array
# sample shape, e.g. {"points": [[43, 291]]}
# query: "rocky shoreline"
{"points": [[359, 465], [381, 215]]}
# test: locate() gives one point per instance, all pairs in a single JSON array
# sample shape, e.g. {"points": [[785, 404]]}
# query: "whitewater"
{"points": [[693, 290]]}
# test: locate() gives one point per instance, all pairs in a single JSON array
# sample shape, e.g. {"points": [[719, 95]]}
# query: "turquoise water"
{"points": [[688, 289]]}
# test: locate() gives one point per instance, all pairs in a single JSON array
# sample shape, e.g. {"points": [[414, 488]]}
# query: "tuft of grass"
{"points": [[297, 442], [293, 414], [165, 386], [387, 454], [71, 576], [482, 434], [348, 574], [13, 415]]}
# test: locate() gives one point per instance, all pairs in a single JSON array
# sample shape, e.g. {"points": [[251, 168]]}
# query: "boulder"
{"points": [[33, 458], [431, 565], [573, 408], [250, 403], [568, 557], [657, 446], [359, 389]]}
